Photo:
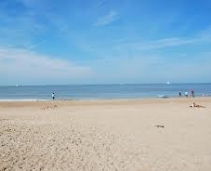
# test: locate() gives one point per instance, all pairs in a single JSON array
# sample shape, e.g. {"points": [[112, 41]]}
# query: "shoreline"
{"points": [[88, 102], [101, 99]]}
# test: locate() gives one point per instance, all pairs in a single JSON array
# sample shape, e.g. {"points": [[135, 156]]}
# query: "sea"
{"points": [[107, 91]]}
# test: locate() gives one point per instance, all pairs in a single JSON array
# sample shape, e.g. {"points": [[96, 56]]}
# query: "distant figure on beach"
{"points": [[53, 95], [196, 105], [192, 93], [180, 93], [186, 94]]}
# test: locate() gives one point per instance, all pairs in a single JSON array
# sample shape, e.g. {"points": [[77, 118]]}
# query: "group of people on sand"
{"points": [[192, 95], [186, 94]]}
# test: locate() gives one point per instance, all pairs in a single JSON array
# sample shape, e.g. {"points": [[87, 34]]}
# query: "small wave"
{"points": [[22, 100]]}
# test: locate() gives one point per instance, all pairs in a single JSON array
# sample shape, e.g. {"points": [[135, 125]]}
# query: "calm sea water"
{"points": [[124, 91]]}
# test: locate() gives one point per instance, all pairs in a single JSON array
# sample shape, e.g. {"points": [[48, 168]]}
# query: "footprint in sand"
{"points": [[49, 107]]}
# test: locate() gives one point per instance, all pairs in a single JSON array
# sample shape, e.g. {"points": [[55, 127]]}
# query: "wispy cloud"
{"points": [[100, 3], [21, 30], [107, 19], [167, 42], [35, 45], [31, 4]]}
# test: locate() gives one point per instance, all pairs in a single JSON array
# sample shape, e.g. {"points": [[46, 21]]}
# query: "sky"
{"points": [[46, 42]]}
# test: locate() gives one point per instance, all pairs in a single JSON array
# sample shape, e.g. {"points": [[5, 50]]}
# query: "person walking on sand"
{"points": [[53, 96], [180, 93]]}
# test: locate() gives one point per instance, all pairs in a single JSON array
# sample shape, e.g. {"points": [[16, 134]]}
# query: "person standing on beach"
{"points": [[180, 93], [186, 94], [192, 93], [53, 95]]}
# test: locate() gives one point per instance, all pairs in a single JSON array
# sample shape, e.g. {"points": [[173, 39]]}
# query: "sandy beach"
{"points": [[109, 135]]}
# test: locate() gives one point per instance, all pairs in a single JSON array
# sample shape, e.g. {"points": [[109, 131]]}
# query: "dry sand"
{"points": [[124, 135]]}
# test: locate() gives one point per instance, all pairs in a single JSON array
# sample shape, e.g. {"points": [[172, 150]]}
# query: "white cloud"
{"points": [[26, 67], [107, 19]]}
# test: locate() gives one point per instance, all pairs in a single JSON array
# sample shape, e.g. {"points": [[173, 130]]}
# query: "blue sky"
{"points": [[104, 41]]}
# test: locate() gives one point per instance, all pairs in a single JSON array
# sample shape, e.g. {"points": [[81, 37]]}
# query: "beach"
{"points": [[110, 135]]}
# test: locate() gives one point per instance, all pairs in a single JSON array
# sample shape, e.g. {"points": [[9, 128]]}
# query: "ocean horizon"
{"points": [[101, 91]]}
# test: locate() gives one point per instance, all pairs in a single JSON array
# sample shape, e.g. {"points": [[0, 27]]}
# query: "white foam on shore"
{"points": [[22, 100]]}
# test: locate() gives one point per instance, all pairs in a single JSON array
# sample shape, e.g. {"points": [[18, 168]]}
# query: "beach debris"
{"points": [[49, 107], [159, 126]]}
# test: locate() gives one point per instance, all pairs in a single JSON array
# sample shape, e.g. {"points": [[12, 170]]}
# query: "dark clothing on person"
{"points": [[192, 93], [53, 96]]}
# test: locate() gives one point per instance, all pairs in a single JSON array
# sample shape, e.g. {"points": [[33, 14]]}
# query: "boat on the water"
{"points": [[162, 96]]}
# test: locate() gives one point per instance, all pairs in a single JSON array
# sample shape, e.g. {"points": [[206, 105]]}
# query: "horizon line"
{"points": [[97, 84]]}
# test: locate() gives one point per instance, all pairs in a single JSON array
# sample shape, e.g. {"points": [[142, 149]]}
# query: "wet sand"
{"points": [[148, 135]]}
